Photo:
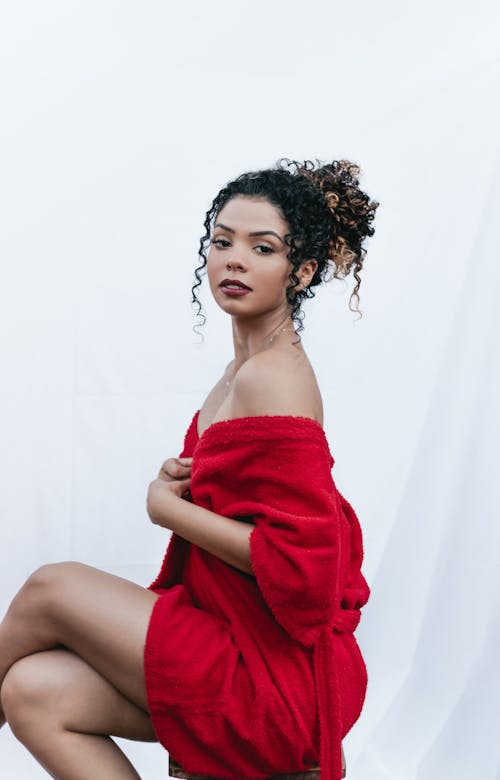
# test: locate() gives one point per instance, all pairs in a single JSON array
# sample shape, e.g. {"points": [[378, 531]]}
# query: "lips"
{"points": [[235, 283]]}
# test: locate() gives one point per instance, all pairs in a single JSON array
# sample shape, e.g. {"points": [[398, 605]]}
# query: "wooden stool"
{"points": [[313, 773]]}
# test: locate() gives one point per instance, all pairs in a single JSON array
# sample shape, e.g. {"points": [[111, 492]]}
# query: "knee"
{"points": [[22, 692], [53, 573], [43, 583]]}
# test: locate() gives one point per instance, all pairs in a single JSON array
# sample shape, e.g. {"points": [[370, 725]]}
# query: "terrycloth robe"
{"points": [[253, 676]]}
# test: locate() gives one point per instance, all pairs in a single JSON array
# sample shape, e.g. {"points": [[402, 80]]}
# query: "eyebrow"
{"points": [[256, 233]]}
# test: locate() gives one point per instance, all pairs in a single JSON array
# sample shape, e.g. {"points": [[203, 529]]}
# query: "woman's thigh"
{"points": [[58, 688], [101, 617]]}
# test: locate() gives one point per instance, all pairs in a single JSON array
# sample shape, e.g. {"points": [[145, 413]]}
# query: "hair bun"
{"points": [[332, 200], [351, 212]]}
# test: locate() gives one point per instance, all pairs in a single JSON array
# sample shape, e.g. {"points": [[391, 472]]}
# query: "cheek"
{"points": [[213, 271], [275, 280]]}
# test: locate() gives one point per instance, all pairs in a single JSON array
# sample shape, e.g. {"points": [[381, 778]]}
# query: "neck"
{"points": [[248, 340]]}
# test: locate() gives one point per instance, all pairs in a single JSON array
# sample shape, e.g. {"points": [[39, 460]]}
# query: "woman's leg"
{"points": [[65, 713], [101, 617]]}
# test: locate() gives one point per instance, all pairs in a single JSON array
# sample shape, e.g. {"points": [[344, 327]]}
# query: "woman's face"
{"points": [[259, 261]]}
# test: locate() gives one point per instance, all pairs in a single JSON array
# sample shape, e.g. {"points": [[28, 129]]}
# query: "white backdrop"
{"points": [[120, 121]]}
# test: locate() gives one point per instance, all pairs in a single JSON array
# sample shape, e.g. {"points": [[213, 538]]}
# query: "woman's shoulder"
{"points": [[276, 382]]}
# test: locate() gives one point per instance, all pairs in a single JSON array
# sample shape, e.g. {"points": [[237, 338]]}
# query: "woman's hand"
{"points": [[175, 468], [172, 483]]}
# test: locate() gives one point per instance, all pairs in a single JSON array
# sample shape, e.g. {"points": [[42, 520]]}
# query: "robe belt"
{"points": [[328, 693]]}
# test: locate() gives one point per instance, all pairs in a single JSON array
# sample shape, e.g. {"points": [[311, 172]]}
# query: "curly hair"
{"points": [[328, 214]]}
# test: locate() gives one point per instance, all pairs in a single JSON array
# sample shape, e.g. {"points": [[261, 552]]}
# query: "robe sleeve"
{"points": [[295, 546], [280, 476], [356, 591]]}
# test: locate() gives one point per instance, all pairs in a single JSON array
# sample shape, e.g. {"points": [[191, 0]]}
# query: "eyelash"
{"points": [[261, 246]]}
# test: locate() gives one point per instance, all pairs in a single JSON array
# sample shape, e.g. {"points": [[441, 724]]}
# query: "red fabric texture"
{"points": [[253, 676]]}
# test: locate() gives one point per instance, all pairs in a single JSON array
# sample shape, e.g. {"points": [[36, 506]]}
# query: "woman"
{"points": [[240, 657]]}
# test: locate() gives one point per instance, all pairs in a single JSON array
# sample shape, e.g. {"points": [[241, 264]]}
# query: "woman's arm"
{"points": [[262, 386], [224, 537]]}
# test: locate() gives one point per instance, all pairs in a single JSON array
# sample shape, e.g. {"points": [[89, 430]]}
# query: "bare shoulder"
{"points": [[276, 382]]}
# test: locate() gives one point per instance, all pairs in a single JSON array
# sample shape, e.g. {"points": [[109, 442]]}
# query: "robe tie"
{"points": [[328, 693]]}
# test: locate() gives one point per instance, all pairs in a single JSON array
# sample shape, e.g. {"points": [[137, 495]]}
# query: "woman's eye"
{"points": [[260, 246]]}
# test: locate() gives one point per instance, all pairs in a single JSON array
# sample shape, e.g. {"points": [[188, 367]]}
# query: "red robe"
{"points": [[247, 676]]}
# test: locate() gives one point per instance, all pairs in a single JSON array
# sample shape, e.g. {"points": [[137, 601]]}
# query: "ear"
{"points": [[306, 273]]}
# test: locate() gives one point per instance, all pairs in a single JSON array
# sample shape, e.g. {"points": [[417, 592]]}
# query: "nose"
{"points": [[234, 263]]}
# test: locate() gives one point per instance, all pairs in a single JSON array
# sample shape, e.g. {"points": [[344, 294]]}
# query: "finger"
{"points": [[169, 469], [176, 469], [178, 484]]}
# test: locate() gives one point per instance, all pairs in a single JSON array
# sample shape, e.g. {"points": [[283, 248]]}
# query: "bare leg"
{"points": [[101, 617], [62, 710]]}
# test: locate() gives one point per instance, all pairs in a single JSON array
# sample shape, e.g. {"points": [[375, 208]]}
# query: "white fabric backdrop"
{"points": [[120, 122]]}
